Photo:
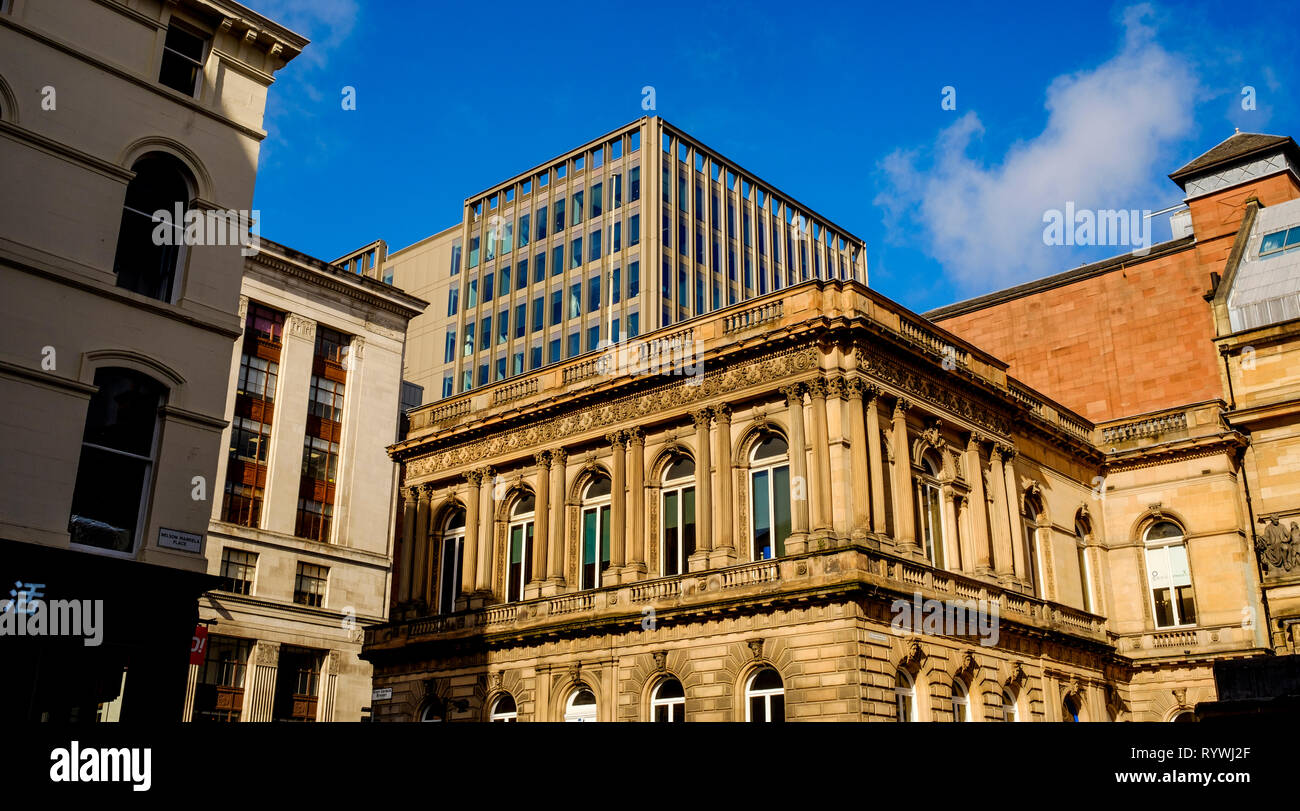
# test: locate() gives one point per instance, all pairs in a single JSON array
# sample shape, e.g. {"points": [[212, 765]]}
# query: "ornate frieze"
{"points": [[924, 387], [631, 408]]}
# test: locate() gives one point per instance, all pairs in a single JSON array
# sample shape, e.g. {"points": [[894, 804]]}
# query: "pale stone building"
{"points": [[302, 529], [114, 348]]}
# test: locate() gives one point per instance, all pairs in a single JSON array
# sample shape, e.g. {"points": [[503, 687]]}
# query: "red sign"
{"points": [[199, 645]]}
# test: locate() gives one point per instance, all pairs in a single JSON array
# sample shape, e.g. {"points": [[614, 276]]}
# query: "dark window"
{"points": [[116, 465], [145, 264], [182, 60]]}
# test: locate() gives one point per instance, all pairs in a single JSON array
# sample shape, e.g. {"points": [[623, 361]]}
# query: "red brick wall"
{"points": [[1131, 340]]}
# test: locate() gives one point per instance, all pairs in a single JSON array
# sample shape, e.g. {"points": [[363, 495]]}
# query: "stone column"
{"points": [[424, 541], [1013, 515], [875, 459], [724, 548], [541, 524], [636, 567], [859, 489], [469, 558], [1003, 541], [904, 515], [259, 692], [556, 541], [798, 540], [821, 460], [618, 505], [699, 560], [486, 532], [952, 559], [410, 498], [978, 507]]}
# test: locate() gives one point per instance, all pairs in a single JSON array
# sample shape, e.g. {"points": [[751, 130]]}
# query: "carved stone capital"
{"points": [[426, 491], [901, 405], [793, 394], [818, 388], [837, 387], [411, 495], [722, 413], [474, 477], [702, 418], [636, 436], [559, 457], [617, 439], [543, 459]]}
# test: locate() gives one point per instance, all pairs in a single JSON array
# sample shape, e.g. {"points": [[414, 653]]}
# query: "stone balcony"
{"points": [[847, 570]]}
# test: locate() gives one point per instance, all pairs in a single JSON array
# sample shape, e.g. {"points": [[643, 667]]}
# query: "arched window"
{"points": [[1169, 575], [148, 250], [905, 708], [1010, 710], [678, 500], [765, 697], [503, 710], [432, 712], [521, 546], [929, 506], [1033, 509], [453, 550], [1081, 533], [960, 701], [118, 448], [668, 702], [595, 531], [581, 706], [1184, 717], [769, 484], [1070, 709]]}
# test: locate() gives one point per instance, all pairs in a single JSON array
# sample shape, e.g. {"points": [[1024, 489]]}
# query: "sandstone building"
{"points": [[720, 519], [115, 347]]}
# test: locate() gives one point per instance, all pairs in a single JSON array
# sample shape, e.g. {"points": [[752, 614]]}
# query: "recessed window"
{"points": [[595, 530], [453, 548], [118, 448], [765, 697], [769, 479], [520, 536], [182, 61], [678, 497], [141, 263], [1070, 709], [905, 709], [929, 508], [309, 585], [581, 706], [960, 701], [1169, 576], [1010, 709], [237, 570], [504, 710], [668, 702]]}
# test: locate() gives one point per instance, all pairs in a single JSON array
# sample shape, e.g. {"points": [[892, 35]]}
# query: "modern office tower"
{"points": [[302, 526], [828, 507], [115, 346], [639, 229]]}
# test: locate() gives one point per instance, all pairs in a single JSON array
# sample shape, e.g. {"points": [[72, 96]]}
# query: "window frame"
{"points": [[677, 486], [769, 466], [1150, 545], [767, 694]]}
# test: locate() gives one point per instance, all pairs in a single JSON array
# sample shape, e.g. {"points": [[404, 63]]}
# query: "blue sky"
{"points": [[838, 105]]}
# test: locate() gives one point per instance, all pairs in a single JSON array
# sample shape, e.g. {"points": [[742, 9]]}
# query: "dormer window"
{"points": [[182, 61]]}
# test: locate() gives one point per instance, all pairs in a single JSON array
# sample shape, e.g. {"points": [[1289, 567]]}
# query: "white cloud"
{"points": [[327, 23], [1105, 131]]}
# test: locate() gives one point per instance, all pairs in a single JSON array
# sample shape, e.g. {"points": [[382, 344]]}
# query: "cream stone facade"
{"points": [[114, 348], [261, 610]]}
